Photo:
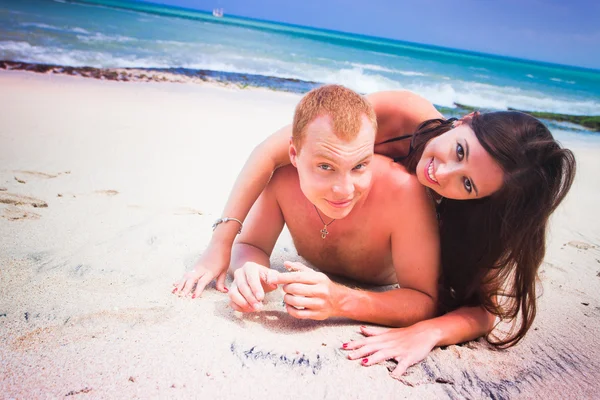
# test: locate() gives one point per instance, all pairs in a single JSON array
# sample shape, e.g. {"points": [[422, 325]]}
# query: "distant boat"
{"points": [[217, 12]]}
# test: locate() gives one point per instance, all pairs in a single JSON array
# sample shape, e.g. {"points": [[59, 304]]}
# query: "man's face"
{"points": [[334, 174]]}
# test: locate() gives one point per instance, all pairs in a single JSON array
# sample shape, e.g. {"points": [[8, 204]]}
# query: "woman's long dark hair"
{"points": [[492, 247]]}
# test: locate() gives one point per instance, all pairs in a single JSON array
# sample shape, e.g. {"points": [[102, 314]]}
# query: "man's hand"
{"points": [[249, 287], [308, 294], [212, 264]]}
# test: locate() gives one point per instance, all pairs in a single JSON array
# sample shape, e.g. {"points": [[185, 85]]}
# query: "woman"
{"points": [[492, 245]]}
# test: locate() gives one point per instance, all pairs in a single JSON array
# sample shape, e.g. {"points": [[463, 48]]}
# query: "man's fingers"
{"points": [[202, 282], [294, 266], [236, 298], [306, 277], [299, 301], [246, 291], [271, 277], [253, 277], [235, 306], [301, 314], [300, 289]]}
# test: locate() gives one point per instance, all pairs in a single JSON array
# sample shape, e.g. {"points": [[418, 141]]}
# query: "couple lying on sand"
{"points": [[455, 214]]}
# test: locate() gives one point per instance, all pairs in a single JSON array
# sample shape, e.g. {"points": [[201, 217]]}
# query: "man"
{"points": [[350, 213]]}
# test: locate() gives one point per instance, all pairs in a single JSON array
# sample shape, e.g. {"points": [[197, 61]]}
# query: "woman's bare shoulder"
{"points": [[403, 103]]}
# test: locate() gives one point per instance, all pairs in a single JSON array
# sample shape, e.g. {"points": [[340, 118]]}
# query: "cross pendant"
{"points": [[324, 232]]}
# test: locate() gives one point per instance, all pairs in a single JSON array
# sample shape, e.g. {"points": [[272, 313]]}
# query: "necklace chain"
{"points": [[324, 231]]}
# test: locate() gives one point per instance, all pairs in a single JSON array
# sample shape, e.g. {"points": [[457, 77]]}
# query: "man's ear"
{"points": [[293, 153]]}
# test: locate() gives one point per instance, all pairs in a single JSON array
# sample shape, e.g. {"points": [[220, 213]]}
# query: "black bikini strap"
{"points": [[396, 139], [413, 136], [401, 158]]}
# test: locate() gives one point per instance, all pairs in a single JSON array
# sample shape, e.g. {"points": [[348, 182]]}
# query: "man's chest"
{"points": [[357, 246]]}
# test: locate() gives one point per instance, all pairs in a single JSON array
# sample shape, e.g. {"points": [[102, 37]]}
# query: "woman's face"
{"points": [[456, 166]]}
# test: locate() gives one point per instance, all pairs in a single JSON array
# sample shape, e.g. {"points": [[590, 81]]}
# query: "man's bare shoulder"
{"points": [[388, 172], [392, 182], [283, 177]]}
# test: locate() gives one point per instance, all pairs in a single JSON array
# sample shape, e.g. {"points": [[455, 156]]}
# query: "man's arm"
{"points": [[261, 230], [251, 252]]}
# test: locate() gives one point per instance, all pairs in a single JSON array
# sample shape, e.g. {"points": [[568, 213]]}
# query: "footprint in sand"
{"points": [[174, 211], [20, 200], [109, 192], [186, 211], [13, 213], [66, 195], [22, 176], [553, 273], [90, 326], [581, 245]]}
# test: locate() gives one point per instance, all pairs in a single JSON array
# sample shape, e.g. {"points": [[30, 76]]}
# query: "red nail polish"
{"points": [[174, 290], [345, 345], [363, 327], [365, 360], [194, 296], [226, 290]]}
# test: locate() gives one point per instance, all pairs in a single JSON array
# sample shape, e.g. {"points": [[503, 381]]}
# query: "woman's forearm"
{"points": [[458, 326], [252, 179]]}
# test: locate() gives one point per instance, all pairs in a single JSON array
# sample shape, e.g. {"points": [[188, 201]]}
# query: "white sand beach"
{"points": [[107, 195]]}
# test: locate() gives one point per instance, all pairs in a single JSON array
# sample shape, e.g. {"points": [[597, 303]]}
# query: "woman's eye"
{"points": [[460, 152], [360, 166], [468, 185], [325, 167]]}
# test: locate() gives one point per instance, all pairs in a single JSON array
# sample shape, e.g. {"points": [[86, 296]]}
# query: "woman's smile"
{"points": [[429, 173]]}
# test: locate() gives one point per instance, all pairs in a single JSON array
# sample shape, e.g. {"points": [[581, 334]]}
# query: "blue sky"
{"points": [[559, 31]]}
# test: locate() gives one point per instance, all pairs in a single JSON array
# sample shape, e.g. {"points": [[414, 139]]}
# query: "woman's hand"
{"points": [[213, 263], [308, 294], [407, 346]]}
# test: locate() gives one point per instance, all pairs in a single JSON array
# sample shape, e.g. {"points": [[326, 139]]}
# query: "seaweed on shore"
{"points": [[467, 108], [588, 121], [179, 75]]}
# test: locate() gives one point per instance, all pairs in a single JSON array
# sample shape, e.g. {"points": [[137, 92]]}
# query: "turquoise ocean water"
{"points": [[113, 33]]}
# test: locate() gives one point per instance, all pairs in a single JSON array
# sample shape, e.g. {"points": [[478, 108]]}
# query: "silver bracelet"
{"points": [[225, 219]]}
